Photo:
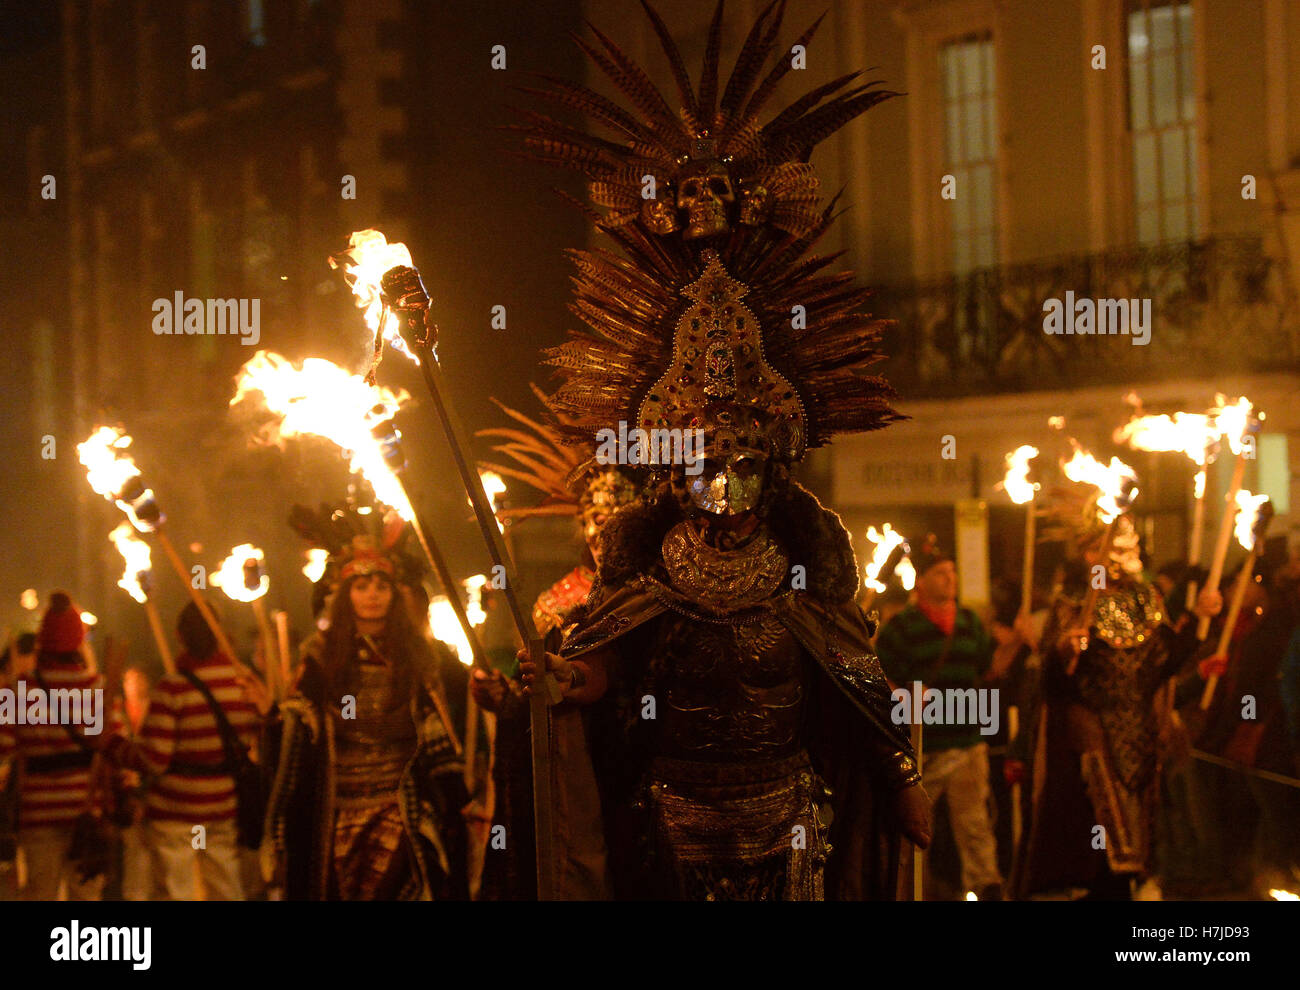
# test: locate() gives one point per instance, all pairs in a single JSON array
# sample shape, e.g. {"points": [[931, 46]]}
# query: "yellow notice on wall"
{"points": [[972, 551]]}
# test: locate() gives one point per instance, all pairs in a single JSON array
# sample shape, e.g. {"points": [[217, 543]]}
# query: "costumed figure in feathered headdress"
{"points": [[591, 493], [1095, 762], [735, 698], [369, 788]]}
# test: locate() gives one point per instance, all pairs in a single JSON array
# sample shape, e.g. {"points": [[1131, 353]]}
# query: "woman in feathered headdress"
{"points": [[369, 789]]}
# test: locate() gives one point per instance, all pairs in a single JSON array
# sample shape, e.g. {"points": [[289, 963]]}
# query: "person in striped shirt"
{"points": [[943, 645], [190, 801], [55, 770]]}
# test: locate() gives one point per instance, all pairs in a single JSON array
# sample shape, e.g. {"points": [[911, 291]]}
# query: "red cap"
{"points": [[61, 627]]}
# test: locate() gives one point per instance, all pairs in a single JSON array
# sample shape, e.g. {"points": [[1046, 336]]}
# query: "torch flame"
{"points": [[1116, 482], [135, 555], [370, 256], [1278, 894], [1016, 483], [229, 577], [446, 628], [109, 469], [492, 486], [885, 540], [324, 400], [317, 559], [1248, 507], [1192, 434], [1232, 422], [906, 573]]}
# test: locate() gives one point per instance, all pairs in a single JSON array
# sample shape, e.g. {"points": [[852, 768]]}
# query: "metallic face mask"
{"points": [[1125, 554], [731, 486]]}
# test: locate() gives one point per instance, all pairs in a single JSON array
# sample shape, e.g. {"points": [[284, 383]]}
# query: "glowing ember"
{"points": [[1232, 422], [493, 486], [1016, 483], [317, 559], [444, 624], [885, 540], [135, 555], [1056, 422], [89, 618], [229, 577], [474, 593], [906, 573], [110, 470], [970, 896], [1248, 507], [321, 399], [1191, 434], [30, 600], [1283, 895], [1116, 482], [370, 256]]}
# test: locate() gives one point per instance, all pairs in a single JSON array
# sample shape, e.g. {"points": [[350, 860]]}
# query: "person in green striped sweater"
{"points": [[942, 645]]}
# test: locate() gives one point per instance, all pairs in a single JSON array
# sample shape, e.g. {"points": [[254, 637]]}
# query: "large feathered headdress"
{"points": [[713, 313], [541, 459]]}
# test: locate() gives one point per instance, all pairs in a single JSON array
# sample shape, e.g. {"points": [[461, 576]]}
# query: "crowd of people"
{"points": [[1126, 785]]}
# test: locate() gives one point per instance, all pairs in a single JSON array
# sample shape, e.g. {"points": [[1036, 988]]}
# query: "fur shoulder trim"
{"points": [[813, 535]]}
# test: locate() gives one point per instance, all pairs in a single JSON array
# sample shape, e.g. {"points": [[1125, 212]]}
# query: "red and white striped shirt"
{"points": [[179, 728], [56, 797]]}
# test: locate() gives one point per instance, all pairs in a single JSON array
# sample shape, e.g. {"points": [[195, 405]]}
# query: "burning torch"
{"points": [[1116, 485], [242, 576], [113, 474], [136, 580], [1253, 516], [1234, 423], [1021, 491], [389, 288], [889, 557]]}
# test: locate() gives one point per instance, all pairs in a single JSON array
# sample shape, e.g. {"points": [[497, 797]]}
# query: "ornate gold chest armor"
{"points": [[373, 748], [732, 691]]}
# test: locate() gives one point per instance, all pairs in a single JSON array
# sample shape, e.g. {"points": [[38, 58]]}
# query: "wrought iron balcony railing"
{"points": [[1220, 305]]}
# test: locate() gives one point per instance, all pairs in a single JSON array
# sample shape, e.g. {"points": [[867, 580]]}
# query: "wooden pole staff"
{"points": [[405, 294], [1229, 624], [159, 637], [1258, 528], [204, 608], [281, 619], [1198, 527], [1017, 815], [918, 854], [1225, 537], [269, 657], [1027, 571]]}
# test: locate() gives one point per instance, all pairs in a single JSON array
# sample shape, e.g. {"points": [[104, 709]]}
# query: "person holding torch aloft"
{"points": [[1108, 648]]}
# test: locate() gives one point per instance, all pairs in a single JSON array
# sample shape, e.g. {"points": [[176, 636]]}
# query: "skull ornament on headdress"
{"points": [[713, 307], [704, 194]]}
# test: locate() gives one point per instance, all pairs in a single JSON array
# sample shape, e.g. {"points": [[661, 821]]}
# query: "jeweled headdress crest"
{"points": [[714, 303]]}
